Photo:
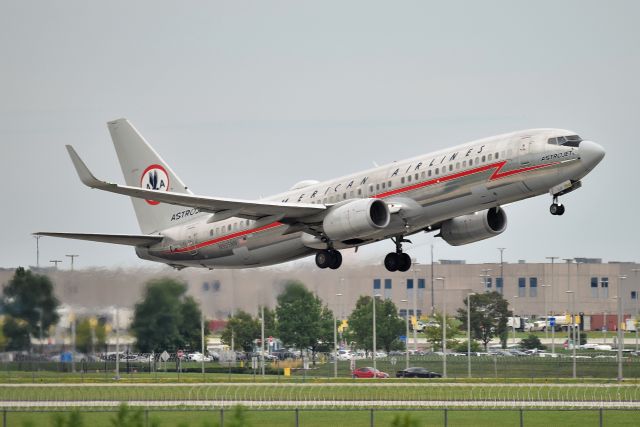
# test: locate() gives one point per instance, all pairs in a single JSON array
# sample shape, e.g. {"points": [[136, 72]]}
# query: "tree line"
{"points": [[166, 318]]}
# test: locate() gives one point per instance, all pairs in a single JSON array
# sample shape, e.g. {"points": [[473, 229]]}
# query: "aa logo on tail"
{"points": [[155, 177]]}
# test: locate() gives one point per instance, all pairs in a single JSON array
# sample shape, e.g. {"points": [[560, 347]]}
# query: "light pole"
{"points": [[72, 258], [375, 297], [406, 341], [444, 327], [469, 295], [415, 306], [546, 313], [433, 298], [552, 258], [37, 250], [620, 331], [56, 262], [202, 340], [513, 319], [335, 342], [262, 339], [501, 270], [568, 261], [117, 344], [572, 326], [635, 271]]}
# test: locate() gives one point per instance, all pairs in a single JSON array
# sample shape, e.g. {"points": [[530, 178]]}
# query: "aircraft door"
{"points": [[192, 239], [525, 150]]}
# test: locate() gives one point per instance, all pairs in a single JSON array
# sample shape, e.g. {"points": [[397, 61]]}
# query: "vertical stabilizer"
{"points": [[143, 167]]}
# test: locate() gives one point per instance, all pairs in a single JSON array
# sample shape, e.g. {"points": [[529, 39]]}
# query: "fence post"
{"points": [[146, 417], [372, 420], [221, 417], [446, 417], [521, 417], [4, 418], [297, 417], [601, 418]]}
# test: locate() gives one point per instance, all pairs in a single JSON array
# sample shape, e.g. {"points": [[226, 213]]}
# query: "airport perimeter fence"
{"points": [[355, 417], [482, 367]]}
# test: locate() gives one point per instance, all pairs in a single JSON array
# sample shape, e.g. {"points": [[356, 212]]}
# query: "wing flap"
{"points": [[118, 239], [254, 209]]}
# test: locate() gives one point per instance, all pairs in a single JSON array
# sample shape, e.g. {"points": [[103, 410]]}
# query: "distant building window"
{"points": [[487, 282], [533, 287], [499, 284], [604, 284], [387, 288], [594, 287], [522, 286], [409, 283], [634, 295], [376, 283], [420, 283]]}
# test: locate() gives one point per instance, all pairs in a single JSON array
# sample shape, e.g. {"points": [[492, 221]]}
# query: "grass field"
{"points": [[336, 394], [486, 418], [482, 368]]}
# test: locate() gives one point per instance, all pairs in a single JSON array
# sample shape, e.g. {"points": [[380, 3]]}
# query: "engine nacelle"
{"points": [[472, 228], [356, 220]]}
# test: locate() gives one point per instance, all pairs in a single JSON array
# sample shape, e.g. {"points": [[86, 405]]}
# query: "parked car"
{"points": [[368, 373], [417, 372]]}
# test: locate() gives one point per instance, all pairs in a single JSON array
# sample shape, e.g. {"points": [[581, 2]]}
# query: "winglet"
{"points": [[83, 171]]}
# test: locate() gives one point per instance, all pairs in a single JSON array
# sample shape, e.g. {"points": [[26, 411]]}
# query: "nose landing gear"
{"points": [[398, 260], [556, 208]]}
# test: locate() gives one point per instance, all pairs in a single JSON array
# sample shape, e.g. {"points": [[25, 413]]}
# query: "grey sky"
{"points": [[246, 98]]}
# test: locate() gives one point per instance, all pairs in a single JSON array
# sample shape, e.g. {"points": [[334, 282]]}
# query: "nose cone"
{"points": [[590, 154]]}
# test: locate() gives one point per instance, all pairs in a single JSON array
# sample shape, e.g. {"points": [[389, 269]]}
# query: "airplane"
{"points": [[458, 192]]}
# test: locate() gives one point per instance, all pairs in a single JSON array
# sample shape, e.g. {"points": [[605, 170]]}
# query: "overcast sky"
{"points": [[243, 99]]}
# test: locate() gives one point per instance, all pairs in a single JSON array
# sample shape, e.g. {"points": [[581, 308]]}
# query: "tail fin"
{"points": [[143, 167]]}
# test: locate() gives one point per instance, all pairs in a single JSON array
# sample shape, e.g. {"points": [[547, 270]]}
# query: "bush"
{"points": [[461, 347], [531, 342]]}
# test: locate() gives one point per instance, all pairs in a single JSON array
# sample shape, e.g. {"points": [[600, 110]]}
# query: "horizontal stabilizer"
{"points": [[118, 239]]}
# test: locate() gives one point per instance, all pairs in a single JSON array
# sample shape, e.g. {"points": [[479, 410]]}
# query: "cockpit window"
{"points": [[569, 141]]}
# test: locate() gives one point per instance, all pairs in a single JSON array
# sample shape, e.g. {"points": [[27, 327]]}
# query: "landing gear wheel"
{"points": [[336, 259], [556, 209], [404, 262], [329, 258], [323, 259], [392, 261]]}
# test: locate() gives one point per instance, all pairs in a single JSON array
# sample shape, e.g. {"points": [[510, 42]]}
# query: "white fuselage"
{"points": [[421, 193]]}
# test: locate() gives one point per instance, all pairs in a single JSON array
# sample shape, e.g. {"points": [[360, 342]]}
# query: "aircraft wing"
{"points": [[120, 239], [228, 207]]}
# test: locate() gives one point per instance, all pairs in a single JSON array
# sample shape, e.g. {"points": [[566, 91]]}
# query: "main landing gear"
{"points": [[398, 260], [556, 208], [329, 258]]}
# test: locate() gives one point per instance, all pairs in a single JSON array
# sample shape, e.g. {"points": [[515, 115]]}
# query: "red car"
{"points": [[368, 373]]}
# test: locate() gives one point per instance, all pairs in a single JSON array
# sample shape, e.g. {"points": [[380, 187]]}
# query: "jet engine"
{"points": [[474, 227], [356, 220]]}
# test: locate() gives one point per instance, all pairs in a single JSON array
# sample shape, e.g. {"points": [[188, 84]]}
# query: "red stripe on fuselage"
{"points": [[228, 237], [496, 175]]}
